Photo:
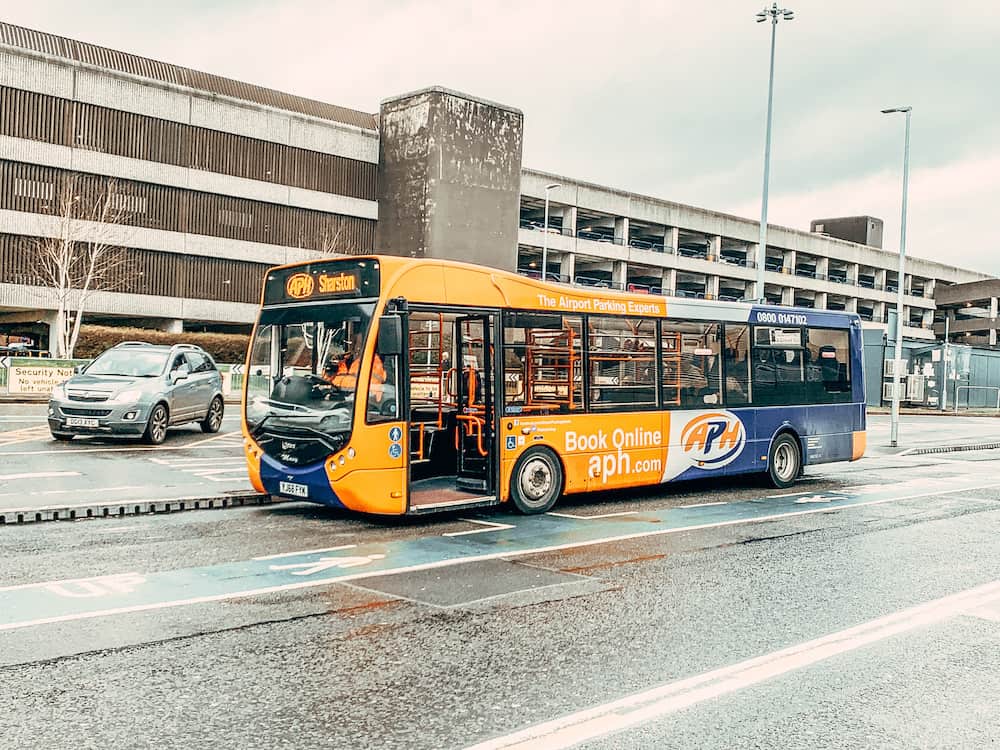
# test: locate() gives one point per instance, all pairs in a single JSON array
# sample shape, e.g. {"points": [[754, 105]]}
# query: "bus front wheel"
{"points": [[536, 482], [785, 462]]}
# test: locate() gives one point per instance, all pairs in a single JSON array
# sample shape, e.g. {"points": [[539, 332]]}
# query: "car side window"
{"points": [[198, 362], [178, 361]]}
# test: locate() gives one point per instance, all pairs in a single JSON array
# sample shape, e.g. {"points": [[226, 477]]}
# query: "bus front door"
{"points": [[475, 401]]}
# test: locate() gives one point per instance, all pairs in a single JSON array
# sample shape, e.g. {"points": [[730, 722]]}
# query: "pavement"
{"points": [[43, 480], [860, 608]]}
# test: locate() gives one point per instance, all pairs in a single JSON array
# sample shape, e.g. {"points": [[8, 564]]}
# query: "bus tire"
{"points": [[784, 464], [536, 481]]}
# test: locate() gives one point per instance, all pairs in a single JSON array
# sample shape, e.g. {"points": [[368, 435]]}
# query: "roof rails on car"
{"points": [[133, 343], [186, 346]]}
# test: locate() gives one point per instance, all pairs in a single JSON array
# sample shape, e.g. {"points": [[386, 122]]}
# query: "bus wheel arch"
{"points": [[537, 480], [785, 458]]}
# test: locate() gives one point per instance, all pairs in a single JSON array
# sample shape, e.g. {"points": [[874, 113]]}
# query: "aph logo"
{"points": [[300, 286], [713, 440]]}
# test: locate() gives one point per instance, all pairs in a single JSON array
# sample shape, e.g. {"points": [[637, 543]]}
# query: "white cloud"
{"points": [[950, 209]]}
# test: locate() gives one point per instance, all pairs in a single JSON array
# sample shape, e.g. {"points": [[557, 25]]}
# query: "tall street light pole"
{"points": [[894, 419], [773, 13], [545, 233]]}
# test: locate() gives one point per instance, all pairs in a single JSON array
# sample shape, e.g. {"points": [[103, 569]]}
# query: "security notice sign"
{"points": [[35, 378]]}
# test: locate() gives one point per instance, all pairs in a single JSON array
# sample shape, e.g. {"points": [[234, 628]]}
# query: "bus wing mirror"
{"points": [[390, 335]]}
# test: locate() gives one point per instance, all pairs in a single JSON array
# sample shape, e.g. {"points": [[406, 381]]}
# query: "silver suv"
{"points": [[139, 389]]}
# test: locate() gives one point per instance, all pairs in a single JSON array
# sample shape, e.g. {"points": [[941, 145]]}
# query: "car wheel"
{"points": [[156, 427], [784, 464], [536, 482], [213, 420], [62, 437]]}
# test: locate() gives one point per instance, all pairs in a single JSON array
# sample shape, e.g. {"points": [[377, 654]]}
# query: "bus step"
{"points": [[467, 483]]}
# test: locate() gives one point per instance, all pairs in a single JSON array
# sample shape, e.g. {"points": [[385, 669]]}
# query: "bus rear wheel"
{"points": [[785, 462], [536, 482]]}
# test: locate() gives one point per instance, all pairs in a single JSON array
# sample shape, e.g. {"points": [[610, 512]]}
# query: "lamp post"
{"points": [[773, 13], [894, 418], [545, 233]]}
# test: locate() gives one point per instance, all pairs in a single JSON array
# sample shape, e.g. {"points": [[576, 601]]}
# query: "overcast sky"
{"points": [[663, 98]]}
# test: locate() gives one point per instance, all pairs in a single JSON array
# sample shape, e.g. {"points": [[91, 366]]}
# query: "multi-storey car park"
{"points": [[220, 179]]}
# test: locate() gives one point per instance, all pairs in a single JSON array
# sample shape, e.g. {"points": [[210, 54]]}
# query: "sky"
{"points": [[660, 98]]}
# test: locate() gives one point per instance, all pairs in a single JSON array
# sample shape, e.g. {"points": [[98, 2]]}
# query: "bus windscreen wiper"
{"points": [[255, 430]]}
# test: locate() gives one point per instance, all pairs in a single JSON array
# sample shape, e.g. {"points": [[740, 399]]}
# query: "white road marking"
{"points": [[79, 491], [939, 459], [305, 552], [456, 561], [591, 518], [490, 526], [176, 462], [23, 435], [209, 472], [39, 475], [649, 705], [130, 448], [704, 505], [64, 581], [819, 499], [75, 490], [213, 469], [325, 563]]}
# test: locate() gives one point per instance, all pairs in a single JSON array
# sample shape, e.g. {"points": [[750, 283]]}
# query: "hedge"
{"points": [[229, 348]]}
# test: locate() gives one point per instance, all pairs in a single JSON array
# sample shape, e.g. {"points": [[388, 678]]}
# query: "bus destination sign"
{"points": [[325, 280]]}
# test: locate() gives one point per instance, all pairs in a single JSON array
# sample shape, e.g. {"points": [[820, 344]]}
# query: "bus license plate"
{"points": [[81, 422], [293, 489]]}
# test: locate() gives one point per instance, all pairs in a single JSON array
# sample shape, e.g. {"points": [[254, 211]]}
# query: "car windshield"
{"points": [[129, 362], [304, 365]]}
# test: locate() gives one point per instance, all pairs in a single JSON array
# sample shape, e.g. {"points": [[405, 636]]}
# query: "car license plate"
{"points": [[81, 422], [293, 489]]}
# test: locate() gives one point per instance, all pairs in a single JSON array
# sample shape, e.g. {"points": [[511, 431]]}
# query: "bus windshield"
{"points": [[303, 374]]}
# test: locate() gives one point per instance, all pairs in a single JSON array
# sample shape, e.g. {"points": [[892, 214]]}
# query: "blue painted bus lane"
{"points": [[36, 604]]}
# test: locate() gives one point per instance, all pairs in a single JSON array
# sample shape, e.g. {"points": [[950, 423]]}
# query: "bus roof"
{"points": [[448, 282]]}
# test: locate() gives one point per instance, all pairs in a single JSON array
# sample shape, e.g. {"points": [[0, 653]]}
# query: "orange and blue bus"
{"points": [[405, 386]]}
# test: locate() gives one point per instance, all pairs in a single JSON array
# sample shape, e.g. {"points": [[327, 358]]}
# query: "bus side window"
{"points": [[691, 371], [737, 364], [383, 401], [829, 349]]}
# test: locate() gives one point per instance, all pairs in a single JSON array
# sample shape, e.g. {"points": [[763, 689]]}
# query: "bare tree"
{"points": [[83, 258]]}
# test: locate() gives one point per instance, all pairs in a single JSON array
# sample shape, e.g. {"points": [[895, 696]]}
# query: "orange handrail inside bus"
{"points": [[473, 426]]}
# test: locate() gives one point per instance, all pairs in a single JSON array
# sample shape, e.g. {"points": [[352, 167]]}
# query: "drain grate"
{"points": [[953, 448]]}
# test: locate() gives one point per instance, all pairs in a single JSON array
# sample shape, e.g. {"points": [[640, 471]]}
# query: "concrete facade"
{"points": [[50, 88], [449, 177], [606, 237], [861, 230], [968, 313]]}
